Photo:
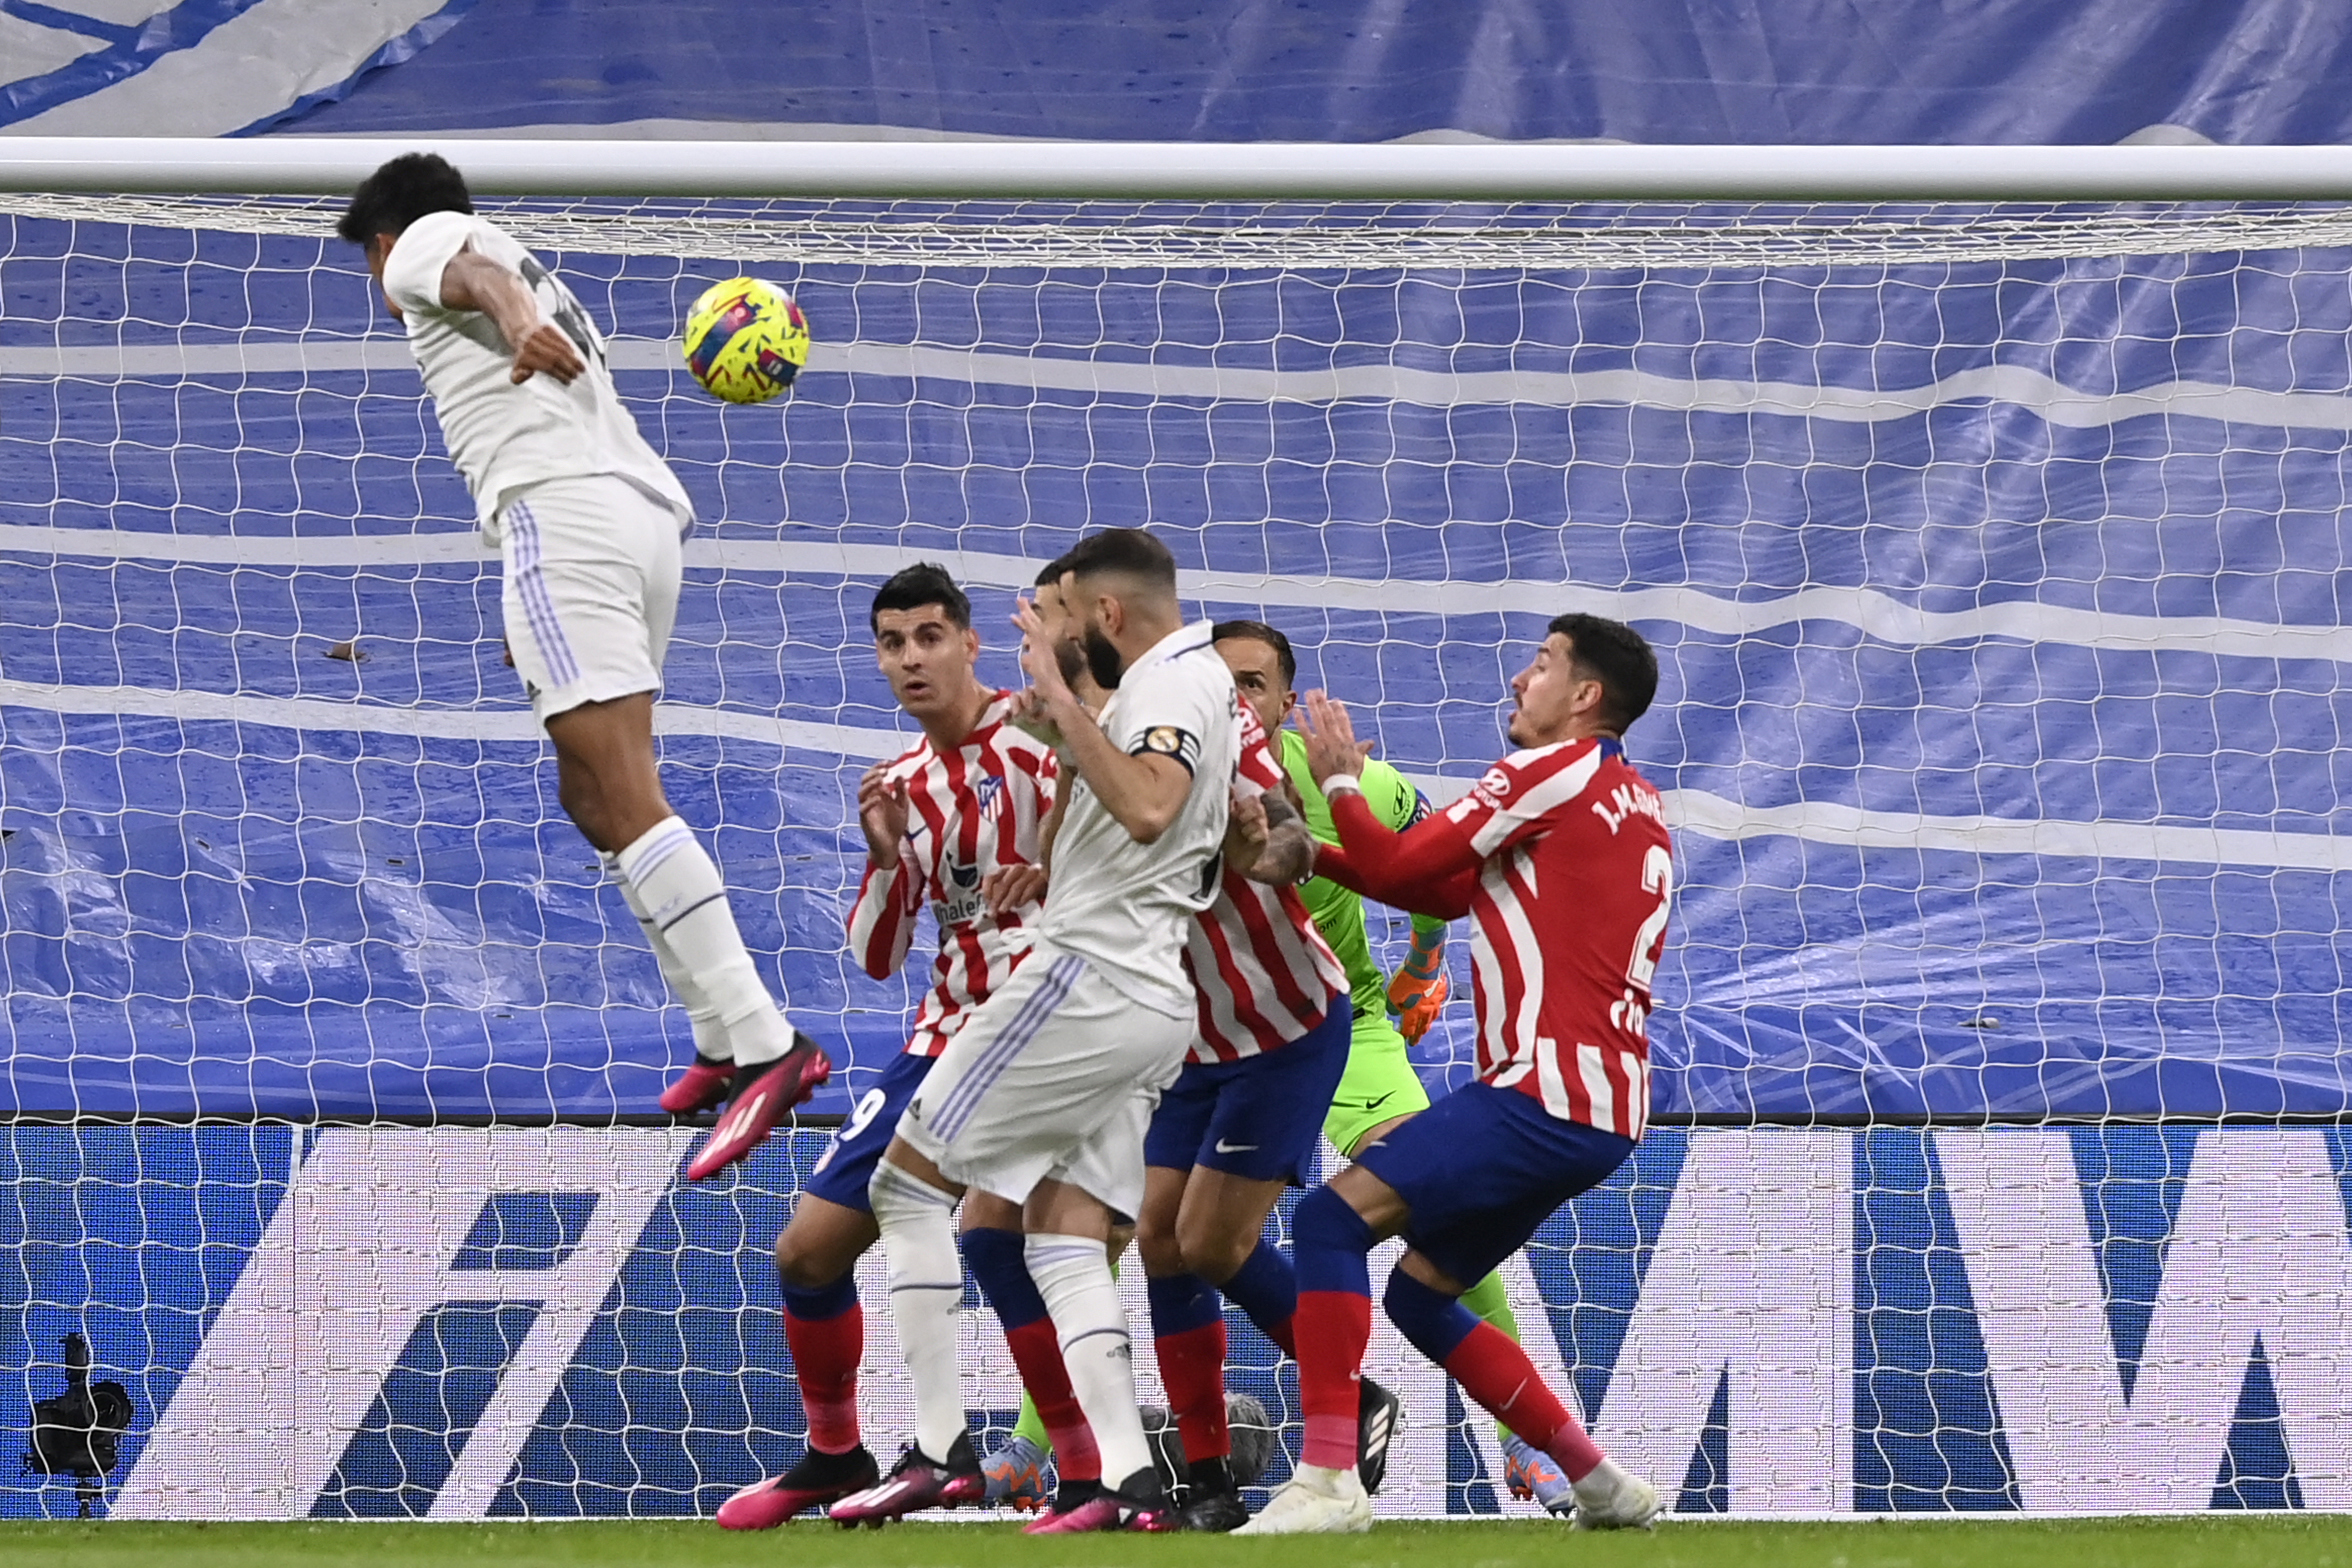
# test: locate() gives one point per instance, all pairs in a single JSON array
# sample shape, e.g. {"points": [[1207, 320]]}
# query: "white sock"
{"points": [[1074, 1277], [1597, 1485], [1322, 1478], [926, 1290], [710, 1036], [684, 903]]}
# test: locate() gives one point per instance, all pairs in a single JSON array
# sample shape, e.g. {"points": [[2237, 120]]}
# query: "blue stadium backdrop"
{"points": [[2002, 723], [2022, 72]]}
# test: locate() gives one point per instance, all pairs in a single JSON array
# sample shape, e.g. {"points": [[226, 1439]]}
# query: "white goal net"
{"points": [[1994, 554]]}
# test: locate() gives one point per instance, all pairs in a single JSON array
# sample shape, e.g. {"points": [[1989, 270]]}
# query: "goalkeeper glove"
{"points": [[1418, 992]]}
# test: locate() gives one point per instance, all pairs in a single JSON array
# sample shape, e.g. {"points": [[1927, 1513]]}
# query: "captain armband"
{"points": [[1171, 741]]}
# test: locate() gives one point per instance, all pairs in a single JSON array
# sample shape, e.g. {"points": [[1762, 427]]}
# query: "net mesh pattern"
{"points": [[1993, 555]]}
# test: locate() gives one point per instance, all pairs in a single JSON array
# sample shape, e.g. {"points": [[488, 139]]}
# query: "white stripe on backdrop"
{"points": [[1868, 611], [2014, 386], [1694, 811]]}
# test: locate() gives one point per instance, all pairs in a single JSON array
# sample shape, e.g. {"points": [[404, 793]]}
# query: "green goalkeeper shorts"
{"points": [[1378, 1086]]}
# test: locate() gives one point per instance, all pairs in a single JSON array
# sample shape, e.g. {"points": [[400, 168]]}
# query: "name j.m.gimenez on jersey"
{"points": [[1628, 800]]}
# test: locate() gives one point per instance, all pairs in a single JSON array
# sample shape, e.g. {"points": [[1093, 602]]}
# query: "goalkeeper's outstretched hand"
{"points": [[1416, 1000], [1418, 992]]}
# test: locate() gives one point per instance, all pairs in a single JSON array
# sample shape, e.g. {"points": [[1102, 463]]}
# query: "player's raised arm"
{"points": [[1429, 869], [882, 921], [1042, 623], [1417, 993], [472, 281], [434, 266]]}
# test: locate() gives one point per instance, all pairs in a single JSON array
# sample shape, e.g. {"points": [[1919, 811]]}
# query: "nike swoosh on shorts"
{"points": [[1234, 1148]]}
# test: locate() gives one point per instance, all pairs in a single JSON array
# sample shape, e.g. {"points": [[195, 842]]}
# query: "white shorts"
{"points": [[1055, 1077], [590, 590]]}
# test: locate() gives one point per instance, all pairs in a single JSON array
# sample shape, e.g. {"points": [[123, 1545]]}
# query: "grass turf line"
{"points": [[2205, 1541]]}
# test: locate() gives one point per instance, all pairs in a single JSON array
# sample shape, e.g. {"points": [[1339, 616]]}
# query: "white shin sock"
{"points": [[926, 1289], [710, 1036], [683, 903], [1074, 1276]]}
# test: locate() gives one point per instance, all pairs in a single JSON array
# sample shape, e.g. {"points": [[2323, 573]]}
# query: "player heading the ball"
{"points": [[588, 522], [1561, 859]]}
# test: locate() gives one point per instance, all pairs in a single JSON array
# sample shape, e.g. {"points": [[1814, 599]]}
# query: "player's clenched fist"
{"points": [[1009, 888], [882, 814], [546, 348], [1246, 831]]}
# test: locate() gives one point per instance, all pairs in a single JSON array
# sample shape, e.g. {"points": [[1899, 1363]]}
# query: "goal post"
{"points": [[1987, 507]]}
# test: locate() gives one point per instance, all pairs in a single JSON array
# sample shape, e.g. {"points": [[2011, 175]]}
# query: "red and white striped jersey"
{"points": [[1264, 973], [970, 812], [1569, 919]]}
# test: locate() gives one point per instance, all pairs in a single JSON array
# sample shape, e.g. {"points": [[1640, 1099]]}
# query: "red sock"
{"points": [[1037, 1352], [1493, 1370], [1334, 1327], [1192, 1366], [825, 1356]]}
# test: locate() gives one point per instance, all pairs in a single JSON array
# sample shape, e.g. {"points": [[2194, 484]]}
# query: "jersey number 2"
{"points": [[1657, 875], [1630, 1012]]}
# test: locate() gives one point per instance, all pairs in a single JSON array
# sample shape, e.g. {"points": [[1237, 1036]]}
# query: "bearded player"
{"points": [[994, 1251], [1044, 1097], [1561, 858], [587, 520], [954, 822], [1016, 1472], [1380, 1088]]}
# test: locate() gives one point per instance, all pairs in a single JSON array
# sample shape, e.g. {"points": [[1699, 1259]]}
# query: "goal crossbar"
{"points": [[298, 165]]}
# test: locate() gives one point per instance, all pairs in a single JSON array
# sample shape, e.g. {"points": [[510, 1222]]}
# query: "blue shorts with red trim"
{"points": [[1482, 1169], [1258, 1118], [842, 1171]]}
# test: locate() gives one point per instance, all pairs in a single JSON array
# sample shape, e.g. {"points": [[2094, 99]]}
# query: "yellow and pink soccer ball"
{"points": [[745, 340]]}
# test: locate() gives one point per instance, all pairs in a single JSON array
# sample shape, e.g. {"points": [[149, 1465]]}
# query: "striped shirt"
{"points": [[1264, 973], [971, 811], [1569, 912]]}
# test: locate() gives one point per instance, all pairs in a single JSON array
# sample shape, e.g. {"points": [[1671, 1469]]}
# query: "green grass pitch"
{"points": [[2242, 1541]]}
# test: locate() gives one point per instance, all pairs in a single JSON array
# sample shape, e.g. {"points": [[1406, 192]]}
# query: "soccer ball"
{"points": [[745, 340]]}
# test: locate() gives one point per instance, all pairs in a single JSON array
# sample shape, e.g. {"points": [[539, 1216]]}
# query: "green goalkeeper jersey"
{"points": [[1338, 913]]}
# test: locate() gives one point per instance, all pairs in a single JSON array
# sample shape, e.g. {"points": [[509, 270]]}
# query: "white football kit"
{"points": [[587, 517], [1056, 1075]]}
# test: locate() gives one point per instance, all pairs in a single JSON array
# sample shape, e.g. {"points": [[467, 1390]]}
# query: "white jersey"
{"points": [[504, 436], [1125, 906]]}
